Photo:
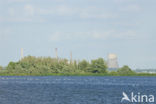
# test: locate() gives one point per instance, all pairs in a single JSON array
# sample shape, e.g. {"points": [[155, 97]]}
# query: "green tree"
{"points": [[1, 67], [113, 73], [82, 65], [31, 65], [98, 66], [11, 66], [125, 70]]}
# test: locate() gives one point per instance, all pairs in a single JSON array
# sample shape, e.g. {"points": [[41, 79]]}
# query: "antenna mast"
{"points": [[21, 53], [56, 53], [71, 58]]}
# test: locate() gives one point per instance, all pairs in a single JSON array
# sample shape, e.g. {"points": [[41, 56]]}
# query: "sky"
{"points": [[88, 28]]}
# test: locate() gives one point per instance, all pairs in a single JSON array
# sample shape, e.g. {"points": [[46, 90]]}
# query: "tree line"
{"points": [[31, 65]]}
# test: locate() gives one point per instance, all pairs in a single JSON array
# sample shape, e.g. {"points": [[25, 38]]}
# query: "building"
{"points": [[112, 62]]}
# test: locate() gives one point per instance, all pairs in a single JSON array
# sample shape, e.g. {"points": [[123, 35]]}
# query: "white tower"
{"points": [[112, 61], [56, 53], [21, 54], [71, 58]]}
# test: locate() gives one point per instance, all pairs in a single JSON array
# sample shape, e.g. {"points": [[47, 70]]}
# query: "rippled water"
{"points": [[72, 90]]}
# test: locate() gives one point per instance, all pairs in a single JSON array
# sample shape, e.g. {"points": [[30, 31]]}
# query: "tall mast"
{"points": [[71, 57], [56, 53], [21, 53]]}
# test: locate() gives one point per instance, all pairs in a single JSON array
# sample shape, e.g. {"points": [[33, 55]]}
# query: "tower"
{"points": [[21, 54], [56, 53], [112, 61], [71, 58]]}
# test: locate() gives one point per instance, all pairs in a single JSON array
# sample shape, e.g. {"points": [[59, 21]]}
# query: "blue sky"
{"points": [[88, 28]]}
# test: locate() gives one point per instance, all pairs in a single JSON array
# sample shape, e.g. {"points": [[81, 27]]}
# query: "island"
{"points": [[47, 66]]}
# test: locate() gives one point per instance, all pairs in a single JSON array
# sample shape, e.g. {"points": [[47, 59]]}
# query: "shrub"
{"points": [[125, 70], [1, 67], [98, 66]]}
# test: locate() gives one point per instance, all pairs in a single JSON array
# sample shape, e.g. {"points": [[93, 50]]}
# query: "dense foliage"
{"points": [[42, 66], [1, 67], [125, 70]]}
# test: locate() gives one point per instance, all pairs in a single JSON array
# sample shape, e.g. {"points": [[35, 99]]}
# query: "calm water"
{"points": [[72, 90]]}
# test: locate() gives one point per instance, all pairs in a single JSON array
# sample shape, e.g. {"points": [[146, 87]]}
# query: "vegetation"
{"points": [[125, 70], [51, 66], [43, 66], [1, 67]]}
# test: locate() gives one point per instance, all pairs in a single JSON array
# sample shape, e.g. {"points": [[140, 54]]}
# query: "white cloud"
{"points": [[95, 13], [30, 13], [123, 1], [128, 34], [87, 15], [64, 10], [84, 13], [12, 1], [102, 35], [131, 8], [43, 11], [97, 35], [22, 14], [57, 10], [59, 36], [19, 19]]}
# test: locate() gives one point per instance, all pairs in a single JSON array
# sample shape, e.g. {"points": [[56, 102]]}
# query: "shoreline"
{"points": [[78, 74]]}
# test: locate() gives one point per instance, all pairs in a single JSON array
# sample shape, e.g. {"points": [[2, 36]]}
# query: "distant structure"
{"points": [[21, 54], [145, 70], [56, 53], [71, 58], [112, 62]]}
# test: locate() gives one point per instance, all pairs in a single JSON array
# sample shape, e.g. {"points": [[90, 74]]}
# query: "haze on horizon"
{"points": [[88, 28]]}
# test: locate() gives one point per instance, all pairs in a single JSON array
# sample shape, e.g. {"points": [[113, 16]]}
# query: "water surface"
{"points": [[72, 89]]}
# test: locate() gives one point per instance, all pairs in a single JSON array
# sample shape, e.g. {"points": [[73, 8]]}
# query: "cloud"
{"points": [[101, 35], [61, 36], [87, 15], [83, 13], [32, 12], [56, 10], [18, 19], [64, 10], [93, 12], [28, 12], [96, 35], [128, 5], [22, 19], [131, 8], [128, 34], [18, 1], [123, 1], [21, 14]]}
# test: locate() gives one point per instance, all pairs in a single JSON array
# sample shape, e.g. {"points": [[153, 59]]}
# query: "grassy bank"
{"points": [[4, 73]]}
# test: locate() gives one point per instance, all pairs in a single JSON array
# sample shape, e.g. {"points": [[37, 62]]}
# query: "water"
{"points": [[72, 90]]}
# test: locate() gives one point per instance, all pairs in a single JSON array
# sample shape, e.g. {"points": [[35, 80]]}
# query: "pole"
{"points": [[21, 53], [56, 53]]}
